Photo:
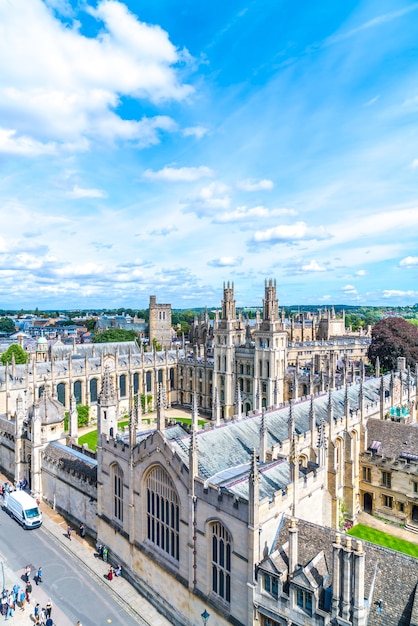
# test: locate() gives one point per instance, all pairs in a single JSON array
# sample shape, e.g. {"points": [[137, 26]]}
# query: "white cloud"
{"points": [[80, 192], [289, 234], [180, 174], [313, 266], [395, 293], [349, 289], [244, 213], [414, 163], [210, 200], [62, 87], [409, 261], [163, 232], [250, 184], [361, 273], [226, 261], [195, 131], [23, 146]]}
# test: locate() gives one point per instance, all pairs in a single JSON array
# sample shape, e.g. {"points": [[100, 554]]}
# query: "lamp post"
{"points": [[205, 617]]}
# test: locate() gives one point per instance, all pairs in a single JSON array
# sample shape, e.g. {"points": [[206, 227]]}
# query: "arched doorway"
{"points": [[414, 515], [368, 503]]}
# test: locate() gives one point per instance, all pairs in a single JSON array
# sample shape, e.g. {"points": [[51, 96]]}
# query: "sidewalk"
{"points": [[82, 549]]}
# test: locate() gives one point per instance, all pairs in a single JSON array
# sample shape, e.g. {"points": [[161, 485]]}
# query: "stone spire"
{"points": [[193, 447], [217, 408], [161, 409], [377, 367], [253, 493], [238, 402], [263, 437]]}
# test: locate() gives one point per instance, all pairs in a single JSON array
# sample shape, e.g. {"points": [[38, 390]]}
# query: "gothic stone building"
{"points": [[198, 518]]}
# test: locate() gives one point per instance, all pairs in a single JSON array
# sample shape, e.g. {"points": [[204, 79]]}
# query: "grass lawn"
{"points": [[91, 438], [384, 539]]}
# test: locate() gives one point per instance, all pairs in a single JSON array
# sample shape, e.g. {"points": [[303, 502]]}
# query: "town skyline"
{"points": [[161, 149]]}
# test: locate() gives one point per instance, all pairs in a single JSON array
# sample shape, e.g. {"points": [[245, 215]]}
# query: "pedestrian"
{"points": [[27, 573], [38, 577], [69, 531], [110, 573], [42, 616], [105, 553], [79, 623], [82, 530], [49, 622], [10, 606], [48, 608], [3, 604], [36, 612], [100, 550], [22, 599], [118, 570], [16, 588], [28, 591]]}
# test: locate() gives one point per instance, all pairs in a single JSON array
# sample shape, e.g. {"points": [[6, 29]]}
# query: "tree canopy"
{"points": [[21, 356], [7, 325], [393, 337], [115, 334]]}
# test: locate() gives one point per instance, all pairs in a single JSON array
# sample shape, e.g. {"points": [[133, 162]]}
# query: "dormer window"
{"points": [[304, 600], [271, 585]]}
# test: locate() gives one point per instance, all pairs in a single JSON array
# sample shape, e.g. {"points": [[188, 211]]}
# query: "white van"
{"points": [[24, 508]]}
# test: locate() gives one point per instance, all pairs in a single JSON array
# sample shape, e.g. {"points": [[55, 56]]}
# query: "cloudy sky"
{"points": [[166, 146]]}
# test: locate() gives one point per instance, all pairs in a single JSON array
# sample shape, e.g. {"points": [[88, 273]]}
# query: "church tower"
{"points": [[228, 333], [270, 350]]}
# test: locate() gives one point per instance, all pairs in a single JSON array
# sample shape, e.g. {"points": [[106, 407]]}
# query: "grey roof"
{"points": [[72, 460], [51, 411], [395, 575], [395, 438]]}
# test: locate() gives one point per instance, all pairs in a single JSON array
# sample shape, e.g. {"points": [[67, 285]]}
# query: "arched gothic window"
{"points": [[93, 390], [163, 512], [117, 478], [221, 561], [61, 393], [77, 391]]}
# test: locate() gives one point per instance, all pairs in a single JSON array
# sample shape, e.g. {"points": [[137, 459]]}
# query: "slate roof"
{"points": [[395, 438], [395, 574], [50, 411], [72, 461]]}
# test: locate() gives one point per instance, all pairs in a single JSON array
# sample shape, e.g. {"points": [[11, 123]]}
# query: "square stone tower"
{"points": [[160, 327]]}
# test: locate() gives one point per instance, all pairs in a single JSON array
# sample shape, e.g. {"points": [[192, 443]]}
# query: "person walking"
{"points": [[36, 612], [82, 530], [48, 608], [69, 531], [27, 573], [28, 591], [22, 599], [49, 622], [38, 577], [42, 616]]}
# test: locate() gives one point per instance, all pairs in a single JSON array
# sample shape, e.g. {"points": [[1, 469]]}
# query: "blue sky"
{"points": [[164, 147]]}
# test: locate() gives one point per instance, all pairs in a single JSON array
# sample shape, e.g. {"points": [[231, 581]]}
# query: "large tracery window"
{"points": [[221, 561], [117, 476], [163, 512]]}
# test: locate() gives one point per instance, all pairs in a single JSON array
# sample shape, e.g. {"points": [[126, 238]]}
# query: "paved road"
{"points": [[75, 594]]}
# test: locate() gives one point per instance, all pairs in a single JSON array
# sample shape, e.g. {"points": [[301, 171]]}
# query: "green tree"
{"points": [[83, 416], [21, 356], [115, 334], [393, 337], [7, 325]]}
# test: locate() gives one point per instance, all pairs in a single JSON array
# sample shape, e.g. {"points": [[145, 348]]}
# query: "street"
{"points": [[75, 594]]}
